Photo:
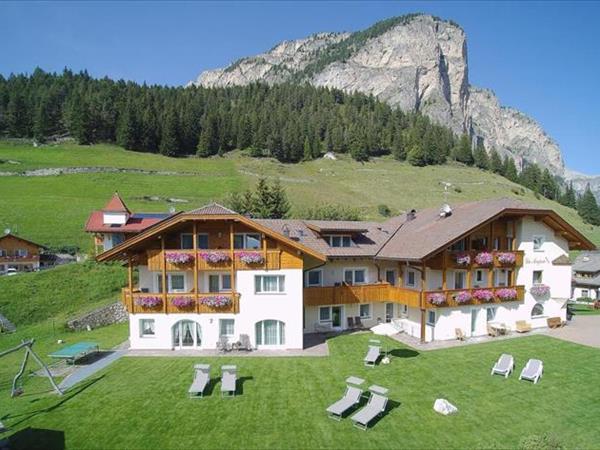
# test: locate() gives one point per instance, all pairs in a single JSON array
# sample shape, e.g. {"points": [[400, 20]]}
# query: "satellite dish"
{"points": [[446, 210], [172, 210], [7, 231]]}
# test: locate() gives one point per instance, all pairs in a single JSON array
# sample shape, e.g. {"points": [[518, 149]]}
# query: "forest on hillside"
{"points": [[290, 122]]}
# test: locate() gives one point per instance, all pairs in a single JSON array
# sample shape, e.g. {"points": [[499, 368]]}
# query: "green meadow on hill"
{"points": [[53, 209]]}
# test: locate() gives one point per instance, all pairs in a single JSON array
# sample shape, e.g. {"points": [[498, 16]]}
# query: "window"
{"points": [[270, 332], [21, 252], [496, 243], [249, 241], [431, 318], [459, 246], [3, 252], [479, 243], [117, 238], [538, 242], [390, 277], [175, 282], [509, 243], [187, 241], [491, 314], [324, 314], [336, 240], [459, 280], [537, 310], [410, 278], [354, 276], [585, 293], [502, 277], [269, 284], [226, 327], [364, 311], [537, 276], [479, 275], [314, 278], [147, 327], [219, 282], [404, 310]]}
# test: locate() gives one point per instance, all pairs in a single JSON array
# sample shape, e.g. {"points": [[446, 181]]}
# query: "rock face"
{"points": [[417, 63]]}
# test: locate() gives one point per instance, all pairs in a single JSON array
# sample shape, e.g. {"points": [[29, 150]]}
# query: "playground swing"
{"points": [[16, 384]]}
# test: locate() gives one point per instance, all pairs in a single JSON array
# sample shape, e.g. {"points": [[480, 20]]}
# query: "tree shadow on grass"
{"points": [[37, 438], [404, 353]]}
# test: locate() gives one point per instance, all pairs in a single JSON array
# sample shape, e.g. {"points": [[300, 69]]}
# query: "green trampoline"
{"points": [[76, 351]]}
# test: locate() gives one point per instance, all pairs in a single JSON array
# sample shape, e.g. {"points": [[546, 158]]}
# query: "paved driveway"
{"points": [[581, 330]]}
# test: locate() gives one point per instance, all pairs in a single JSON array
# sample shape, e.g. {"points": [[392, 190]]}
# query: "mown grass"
{"points": [[143, 401], [584, 310]]}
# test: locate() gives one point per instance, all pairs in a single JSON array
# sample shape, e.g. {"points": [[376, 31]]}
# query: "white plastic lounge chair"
{"points": [[201, 379], [372, 355], [228, 380], [376, 406], [350, 398], [532, 371], [504, 366]]}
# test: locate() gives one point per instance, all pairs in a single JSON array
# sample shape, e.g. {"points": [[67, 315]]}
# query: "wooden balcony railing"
{"points": [[363, 293], [271, 260], [19, 259], [450, 296], [452, 259], [132, 302]]}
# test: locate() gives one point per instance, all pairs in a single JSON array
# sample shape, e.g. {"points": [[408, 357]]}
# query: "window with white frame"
{"points": [[355, 276], [491, 313], [538, 242], [411, 278], [404, 310], [538, 276], [147, 328], [537, 310], [175, 282], [364, 310], [338, 240], [248, 241], [431, 318], [219, 282], [325, 314], [585, 293], [459, 279], [269, 284], [227, 327], [187, 241], [501, 277], [270, 332], [314, 278]]}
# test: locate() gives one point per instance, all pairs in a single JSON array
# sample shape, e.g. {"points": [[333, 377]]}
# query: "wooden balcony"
{"points": [[19, 259], [363, 293], [451, 260], [131, 302], [272, 260], [450, 294]]}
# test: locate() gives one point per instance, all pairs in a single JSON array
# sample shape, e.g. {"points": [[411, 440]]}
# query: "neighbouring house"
{"points": [[586, 275], [18, 253], [211, 273], [115, 223]]}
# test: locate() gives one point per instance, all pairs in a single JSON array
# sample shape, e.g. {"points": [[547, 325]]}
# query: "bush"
{"points": [[384, 210], [330, 212], [541, 442]]}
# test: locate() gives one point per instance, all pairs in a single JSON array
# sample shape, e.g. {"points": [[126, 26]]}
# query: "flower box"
{"points": [[179, 258], [215, 301], [437, 298], [484, 259], [251, 257], [506, 294], [182, 302], [540, 290], [463, 297], [148, 301], [463, 259], [483, 295], [215, 257], [506, 259]]}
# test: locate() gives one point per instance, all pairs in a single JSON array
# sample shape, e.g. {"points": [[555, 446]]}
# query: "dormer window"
{"points": [[338, 240]]}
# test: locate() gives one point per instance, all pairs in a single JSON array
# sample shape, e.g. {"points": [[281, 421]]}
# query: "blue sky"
{"points": [[541, 58]]}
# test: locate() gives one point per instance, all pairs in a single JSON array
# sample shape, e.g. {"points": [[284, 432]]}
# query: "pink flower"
{"points": [[483, 295], [436, 298], [148, 301], [463, 297], [251, 257], [463, 259], [540, 290], [179, 258], [506, 258], [505, 294], [484, 258], [215, 301], [215, 257], [183, 302]]}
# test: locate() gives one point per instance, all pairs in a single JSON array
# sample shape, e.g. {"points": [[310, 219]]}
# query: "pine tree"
{"points": [[509, 170], [587, 207], [127, 128], [308, 154], [41, 120], [169, 142], [262, 200], [462, 151], [358, 147], [495, 161], [480, 156], [416, 156], [244, 134], [569, 198], [548, 185], [279, 204], [531, 177], [17, 117], [208, 143], [398, 146]]}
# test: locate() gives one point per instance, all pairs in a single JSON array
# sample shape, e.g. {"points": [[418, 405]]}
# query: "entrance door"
{"points": [[336, 316], [389, 312], [473, 321], [186, 333]]}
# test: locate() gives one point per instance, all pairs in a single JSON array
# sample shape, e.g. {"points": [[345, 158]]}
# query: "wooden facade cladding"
{"points": [[10, 244], [365, 293], [129, 300]]}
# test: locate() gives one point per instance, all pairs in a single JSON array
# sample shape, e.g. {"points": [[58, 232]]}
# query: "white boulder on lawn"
{"points": [[444, 407]]}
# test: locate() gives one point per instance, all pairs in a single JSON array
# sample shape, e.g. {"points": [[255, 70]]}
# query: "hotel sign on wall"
{"points": [[537, 260]]}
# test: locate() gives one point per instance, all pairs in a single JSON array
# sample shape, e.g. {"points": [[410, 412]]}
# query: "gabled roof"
{"points": [[21, 239], [212, 209], [587, 262], [562, 260], [116, 204], [135, 222]]}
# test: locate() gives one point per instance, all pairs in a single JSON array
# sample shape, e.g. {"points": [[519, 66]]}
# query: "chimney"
{"points": [[286, 230]]}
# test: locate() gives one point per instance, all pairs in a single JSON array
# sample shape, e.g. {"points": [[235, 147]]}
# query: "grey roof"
{"points": [[212, 209], [587, 262]]}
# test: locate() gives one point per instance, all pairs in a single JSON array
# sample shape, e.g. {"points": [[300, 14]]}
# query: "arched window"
{"points": [[537, 310], [186, 333], [270, 332]]}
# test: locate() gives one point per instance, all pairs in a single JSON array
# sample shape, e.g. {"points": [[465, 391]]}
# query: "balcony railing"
{"points": [[363, 293], [474, 296], [17, 259], [217, 259], [468, 259], [204, 303]]}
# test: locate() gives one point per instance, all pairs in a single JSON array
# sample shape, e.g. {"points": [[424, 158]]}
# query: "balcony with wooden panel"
{"points": [[266, 259], [451, 298], [360, 293], [469, 259], [137, 302]]}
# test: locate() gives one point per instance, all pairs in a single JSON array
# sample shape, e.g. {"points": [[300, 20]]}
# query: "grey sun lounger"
{"points": [[504, 366], [201, 379], [351, 397], [228, 380], [372, 355], [375, 407], [532, 371]]}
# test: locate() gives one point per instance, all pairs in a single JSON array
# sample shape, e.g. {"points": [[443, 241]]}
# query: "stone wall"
{"points": [[107, 315]]}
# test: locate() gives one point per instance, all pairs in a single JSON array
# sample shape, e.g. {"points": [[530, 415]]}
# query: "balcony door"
{"points": [[186, 334], [336, 316]]}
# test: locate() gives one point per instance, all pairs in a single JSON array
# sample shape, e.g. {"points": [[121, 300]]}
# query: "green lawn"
{"points": [[142, 402], [584, 310]]}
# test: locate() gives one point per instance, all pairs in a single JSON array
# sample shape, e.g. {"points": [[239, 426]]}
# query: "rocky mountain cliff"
{"points": [[415, 62]]}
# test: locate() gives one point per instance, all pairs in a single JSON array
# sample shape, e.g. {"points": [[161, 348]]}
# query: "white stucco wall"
{"points": [[578, 292]]}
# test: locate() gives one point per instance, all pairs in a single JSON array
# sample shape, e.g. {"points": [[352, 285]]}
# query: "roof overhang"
{"points": [[22, 240]]}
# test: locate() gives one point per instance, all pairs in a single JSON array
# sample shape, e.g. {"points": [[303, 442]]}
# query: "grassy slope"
{"points": [[284, 399], [53, 210]]}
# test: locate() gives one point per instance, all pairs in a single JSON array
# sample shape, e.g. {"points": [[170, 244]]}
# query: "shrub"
{"points": [[384, 210]]}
